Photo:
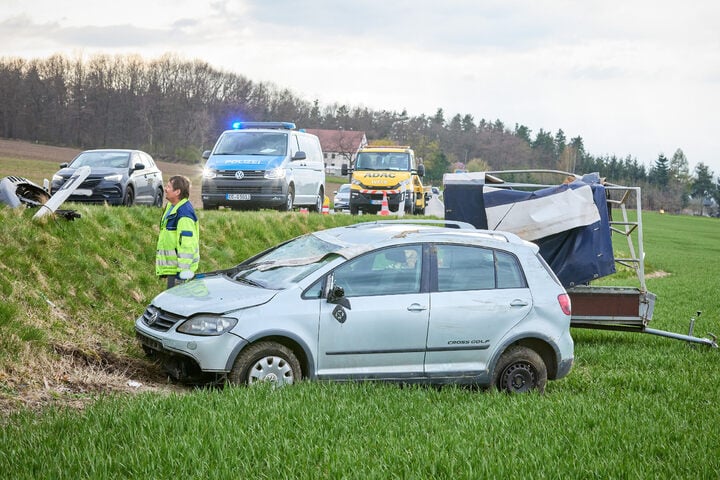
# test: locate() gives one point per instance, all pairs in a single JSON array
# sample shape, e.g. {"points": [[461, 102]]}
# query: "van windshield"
{"points": [[252, 143]]}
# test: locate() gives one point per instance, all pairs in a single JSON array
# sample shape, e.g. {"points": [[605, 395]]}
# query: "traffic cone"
{"points": [[384, 209], [326, 206]]}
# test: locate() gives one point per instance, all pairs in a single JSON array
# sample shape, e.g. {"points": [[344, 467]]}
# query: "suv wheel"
{"points": [[129, 197], [158, 198], [319, 201], [520, 370], [266, 362]]}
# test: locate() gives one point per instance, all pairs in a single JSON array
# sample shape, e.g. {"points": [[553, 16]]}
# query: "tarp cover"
{"points": [[569, 222]]}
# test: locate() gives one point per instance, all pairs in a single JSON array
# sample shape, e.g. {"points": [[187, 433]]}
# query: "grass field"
{"points": [[634, 405]]}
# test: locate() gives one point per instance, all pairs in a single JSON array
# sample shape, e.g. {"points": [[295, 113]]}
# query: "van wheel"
{"points": [[519, 370], [354, 210], [289, 200], [266, 362], [319, 201], [129, 197]]}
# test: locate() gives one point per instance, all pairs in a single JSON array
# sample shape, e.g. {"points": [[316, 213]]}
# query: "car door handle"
{"points": [[416, 307], [519, 303]]}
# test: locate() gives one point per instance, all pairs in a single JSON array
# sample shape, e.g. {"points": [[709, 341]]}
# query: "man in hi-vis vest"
{"points": [[178, 246]]}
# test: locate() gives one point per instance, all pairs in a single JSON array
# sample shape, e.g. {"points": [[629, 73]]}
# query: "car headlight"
{"points": [[207, 325], [275, 173], [113, 178], [209, 173]]}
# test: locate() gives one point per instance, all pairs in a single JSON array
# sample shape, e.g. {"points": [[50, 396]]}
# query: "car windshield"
{"points": [[102, 159], [288, 263], [252, 143], [344, 188], [382, 161]]}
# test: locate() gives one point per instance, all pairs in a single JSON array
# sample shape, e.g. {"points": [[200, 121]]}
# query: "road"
{"points": [[435, 207]]}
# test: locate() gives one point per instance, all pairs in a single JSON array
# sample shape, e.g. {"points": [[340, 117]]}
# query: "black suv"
{"points": [[117, 177]]}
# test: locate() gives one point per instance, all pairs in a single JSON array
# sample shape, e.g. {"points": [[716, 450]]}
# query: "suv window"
{"points": [[475, 268], [389, 271]]}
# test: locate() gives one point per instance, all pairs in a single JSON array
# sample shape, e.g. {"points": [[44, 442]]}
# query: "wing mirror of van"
{"points": [[206, 154], [300, 155]]}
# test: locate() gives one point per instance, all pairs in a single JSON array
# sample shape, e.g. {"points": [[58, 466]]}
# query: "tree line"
{"points": [[174, 109]]}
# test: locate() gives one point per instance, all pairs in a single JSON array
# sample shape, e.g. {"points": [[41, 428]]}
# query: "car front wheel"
{"points": [[289, 200], [266, 362], [520, 370], [129, 197]]}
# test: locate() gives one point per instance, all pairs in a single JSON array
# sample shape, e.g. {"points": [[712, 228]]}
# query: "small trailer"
{"points": [[572, 219]]}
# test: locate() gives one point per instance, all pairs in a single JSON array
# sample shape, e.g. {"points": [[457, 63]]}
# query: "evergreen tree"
{"points": [[660, 173]]}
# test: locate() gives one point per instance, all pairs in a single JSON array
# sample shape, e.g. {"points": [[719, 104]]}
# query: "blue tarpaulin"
{"points": [[570, 222]]}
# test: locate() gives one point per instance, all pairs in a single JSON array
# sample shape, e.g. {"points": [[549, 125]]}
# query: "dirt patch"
{"points": [[36, 151], [75, 378]]}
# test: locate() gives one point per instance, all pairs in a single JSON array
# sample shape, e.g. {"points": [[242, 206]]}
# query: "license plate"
{"points": [[83, 191], [237, 196], [375, 202]]}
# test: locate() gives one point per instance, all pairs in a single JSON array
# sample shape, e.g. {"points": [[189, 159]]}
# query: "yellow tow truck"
{"points": [[389, 171]]}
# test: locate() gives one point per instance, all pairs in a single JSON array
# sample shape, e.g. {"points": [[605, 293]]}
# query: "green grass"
{"points": [[634, 406]]}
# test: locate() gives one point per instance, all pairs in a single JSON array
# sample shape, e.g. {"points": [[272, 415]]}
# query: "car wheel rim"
{"points": [[518, 377], [271, 369]]}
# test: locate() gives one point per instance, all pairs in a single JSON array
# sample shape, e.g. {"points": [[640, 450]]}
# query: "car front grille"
{"points": [[160, 320], [249, 174]]}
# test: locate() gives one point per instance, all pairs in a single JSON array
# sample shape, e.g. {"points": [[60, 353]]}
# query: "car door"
{"points": [[140, 179], [383, 332], [479, 295]]}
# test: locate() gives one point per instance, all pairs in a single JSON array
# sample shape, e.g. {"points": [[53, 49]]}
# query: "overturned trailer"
{"points": [[571, 218]]}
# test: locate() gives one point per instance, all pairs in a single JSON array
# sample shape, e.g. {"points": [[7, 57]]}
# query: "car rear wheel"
{"points": [[520, 370], [158, 198], [266, 362], [129, 198], [319, 201]]}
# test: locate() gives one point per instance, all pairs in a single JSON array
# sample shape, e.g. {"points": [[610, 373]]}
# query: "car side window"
{"points": [[474, 268], [389, 271]]}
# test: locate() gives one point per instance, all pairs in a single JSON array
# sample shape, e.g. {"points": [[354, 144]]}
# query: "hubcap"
{"points": [[271, 369]]}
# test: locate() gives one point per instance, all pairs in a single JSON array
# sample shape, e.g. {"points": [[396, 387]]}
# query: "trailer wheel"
{"points": [[519, 370]]}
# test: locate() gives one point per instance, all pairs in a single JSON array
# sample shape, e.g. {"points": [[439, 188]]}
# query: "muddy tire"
{"points": [[266, 362], [129, 198], [520, 370]]}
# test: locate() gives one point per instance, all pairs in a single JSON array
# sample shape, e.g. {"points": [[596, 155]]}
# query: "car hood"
{"points": [[211, 294], [245, 162], [94, 171]]}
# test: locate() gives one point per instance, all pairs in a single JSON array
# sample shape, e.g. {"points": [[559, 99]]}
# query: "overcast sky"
{"points": [[631, 77]]}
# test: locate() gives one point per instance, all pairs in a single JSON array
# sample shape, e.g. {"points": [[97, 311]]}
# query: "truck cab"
{"points": [[389, 172]]}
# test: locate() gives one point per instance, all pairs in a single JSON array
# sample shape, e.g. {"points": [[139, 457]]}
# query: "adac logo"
{"points": [[380, 175]]}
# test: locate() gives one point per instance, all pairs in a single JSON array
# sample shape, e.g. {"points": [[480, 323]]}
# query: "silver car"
{"points": [[341, 202], [403, 301]]}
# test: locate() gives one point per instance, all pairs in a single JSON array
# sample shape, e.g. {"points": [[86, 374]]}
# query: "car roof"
{"points": [[377, 234]]}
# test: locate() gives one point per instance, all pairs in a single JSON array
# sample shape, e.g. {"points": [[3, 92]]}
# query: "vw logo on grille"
{"points": [[239, 174], [153, 317]]}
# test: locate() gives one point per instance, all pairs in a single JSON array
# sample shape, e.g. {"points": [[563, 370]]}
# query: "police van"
{"points": [[264, 165]]}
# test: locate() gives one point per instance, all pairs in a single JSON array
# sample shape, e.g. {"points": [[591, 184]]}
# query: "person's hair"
{"points": [[182, 183]]}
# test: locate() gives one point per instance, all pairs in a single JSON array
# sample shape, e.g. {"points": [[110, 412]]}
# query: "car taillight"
{"points": [[564, 301]]}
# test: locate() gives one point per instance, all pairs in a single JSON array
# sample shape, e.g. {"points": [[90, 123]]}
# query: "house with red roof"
{"points": [[339, 147]]}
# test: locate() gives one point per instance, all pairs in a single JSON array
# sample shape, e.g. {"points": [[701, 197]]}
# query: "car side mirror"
{"points": [[206, 154], [299, 155], [421, 170], [344, 170], [138, 166], [337, 296], [63, 165]]}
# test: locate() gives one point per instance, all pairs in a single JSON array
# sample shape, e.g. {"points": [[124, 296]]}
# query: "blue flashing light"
{"points": [[273, 125]]}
